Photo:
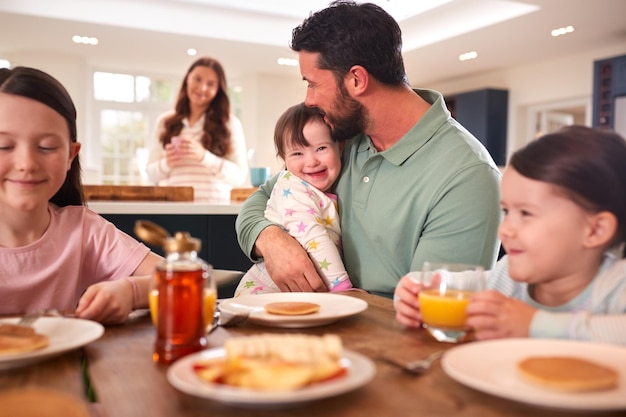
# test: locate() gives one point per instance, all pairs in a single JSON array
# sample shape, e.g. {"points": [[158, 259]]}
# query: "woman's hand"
{"points": [[190, 149], [108, 302], [182, 148], [494, 316], [406, 302], [172, 157]]}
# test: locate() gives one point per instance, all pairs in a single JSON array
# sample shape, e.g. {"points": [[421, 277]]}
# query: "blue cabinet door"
{"points": [[484, 113]]}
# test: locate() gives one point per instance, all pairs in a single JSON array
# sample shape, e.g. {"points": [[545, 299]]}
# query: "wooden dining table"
{"points": [[127, 383]]}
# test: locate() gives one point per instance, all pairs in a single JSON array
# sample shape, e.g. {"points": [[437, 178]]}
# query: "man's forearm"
{"points": [[251, 220], [267, 236]]}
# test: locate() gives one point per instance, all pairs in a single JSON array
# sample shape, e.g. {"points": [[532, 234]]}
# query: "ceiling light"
{"points": [[4, 63], [562, 31], [290, 62], [85, 40], [468, 55], [191, 52]]}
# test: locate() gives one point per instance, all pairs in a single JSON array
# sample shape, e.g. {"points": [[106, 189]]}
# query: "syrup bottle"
{"points": [[180, 280]]}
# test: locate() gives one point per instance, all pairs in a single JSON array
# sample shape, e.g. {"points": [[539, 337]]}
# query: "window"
{"points": [[125, 109], [122, 136]]}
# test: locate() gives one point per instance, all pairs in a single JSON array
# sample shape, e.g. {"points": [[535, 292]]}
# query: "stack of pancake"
{"points": [[18, 339]]}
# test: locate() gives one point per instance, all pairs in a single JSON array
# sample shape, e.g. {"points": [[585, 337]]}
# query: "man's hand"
{"points": [[287, 262]]}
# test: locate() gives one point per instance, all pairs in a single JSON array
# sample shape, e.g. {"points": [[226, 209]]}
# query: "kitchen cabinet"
{"points": [[484, 113], [609, 83]]}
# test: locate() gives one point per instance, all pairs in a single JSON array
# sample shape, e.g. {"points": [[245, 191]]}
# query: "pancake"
{"points": [[292, 308], [563, 373], [19, 339]]}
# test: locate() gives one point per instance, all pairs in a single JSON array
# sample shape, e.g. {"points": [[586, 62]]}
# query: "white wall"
{"points": [[264, 97]]}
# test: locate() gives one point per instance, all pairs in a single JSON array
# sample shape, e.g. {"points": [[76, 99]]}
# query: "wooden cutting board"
{"points": [[241, 194], [137, 193]]}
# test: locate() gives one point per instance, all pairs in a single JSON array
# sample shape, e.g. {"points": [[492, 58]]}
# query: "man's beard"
{"points": [[348, 118]]}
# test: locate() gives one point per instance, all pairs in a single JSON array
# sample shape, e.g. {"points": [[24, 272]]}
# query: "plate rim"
{"points": [[531, 394], [359, 376], [357, 306], [89, 330]]}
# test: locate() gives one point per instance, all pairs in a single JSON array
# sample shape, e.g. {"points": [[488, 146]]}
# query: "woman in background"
{"points": [[200, 143]]}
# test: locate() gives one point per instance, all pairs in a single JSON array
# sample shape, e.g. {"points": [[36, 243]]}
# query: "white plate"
{"points": [[65, 334], [181, 375], [490, 366], [332, 308]]}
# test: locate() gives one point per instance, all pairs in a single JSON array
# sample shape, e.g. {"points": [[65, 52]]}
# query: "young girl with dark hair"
{"points": [[54, 251], [564, 228]]}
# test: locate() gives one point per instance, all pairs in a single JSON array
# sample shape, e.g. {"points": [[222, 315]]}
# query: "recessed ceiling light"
{"points": [[562, 31], [290, 62], [85, 40], [468, 55], [192, 52]]}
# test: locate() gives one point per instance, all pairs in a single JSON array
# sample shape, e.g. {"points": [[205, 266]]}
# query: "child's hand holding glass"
{"points": [[493, 315]]}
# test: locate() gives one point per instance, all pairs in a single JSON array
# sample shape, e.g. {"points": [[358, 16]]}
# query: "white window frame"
{"points": [[92, 151]]}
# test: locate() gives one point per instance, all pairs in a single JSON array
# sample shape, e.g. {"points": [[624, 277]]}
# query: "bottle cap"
{"points": [[181, 242], [155, 235], [151, 233]]}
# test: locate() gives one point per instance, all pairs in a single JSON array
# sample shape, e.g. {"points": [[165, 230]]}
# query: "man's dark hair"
{"points": [[347, 34]]}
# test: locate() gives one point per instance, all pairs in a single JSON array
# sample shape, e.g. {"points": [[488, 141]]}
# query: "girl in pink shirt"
{"points": [[55, 252]]}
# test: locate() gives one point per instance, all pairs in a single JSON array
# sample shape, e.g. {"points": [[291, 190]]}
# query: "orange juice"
{"points": [[209, 305], [444, 310], [210, 298]]}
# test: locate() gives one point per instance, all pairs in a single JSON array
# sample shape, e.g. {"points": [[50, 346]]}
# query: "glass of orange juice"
{"points": [[210, 299], [445, 293]]}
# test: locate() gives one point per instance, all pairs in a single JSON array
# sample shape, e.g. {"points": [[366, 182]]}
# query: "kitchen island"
{"points": [[213, 224]]}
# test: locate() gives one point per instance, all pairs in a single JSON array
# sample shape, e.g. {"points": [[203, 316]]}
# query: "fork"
{"points": [[418, 367], [224, 320], [29, 319]]}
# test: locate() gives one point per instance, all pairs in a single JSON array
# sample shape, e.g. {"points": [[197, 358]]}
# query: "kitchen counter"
{"points": [[163, 207]]}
